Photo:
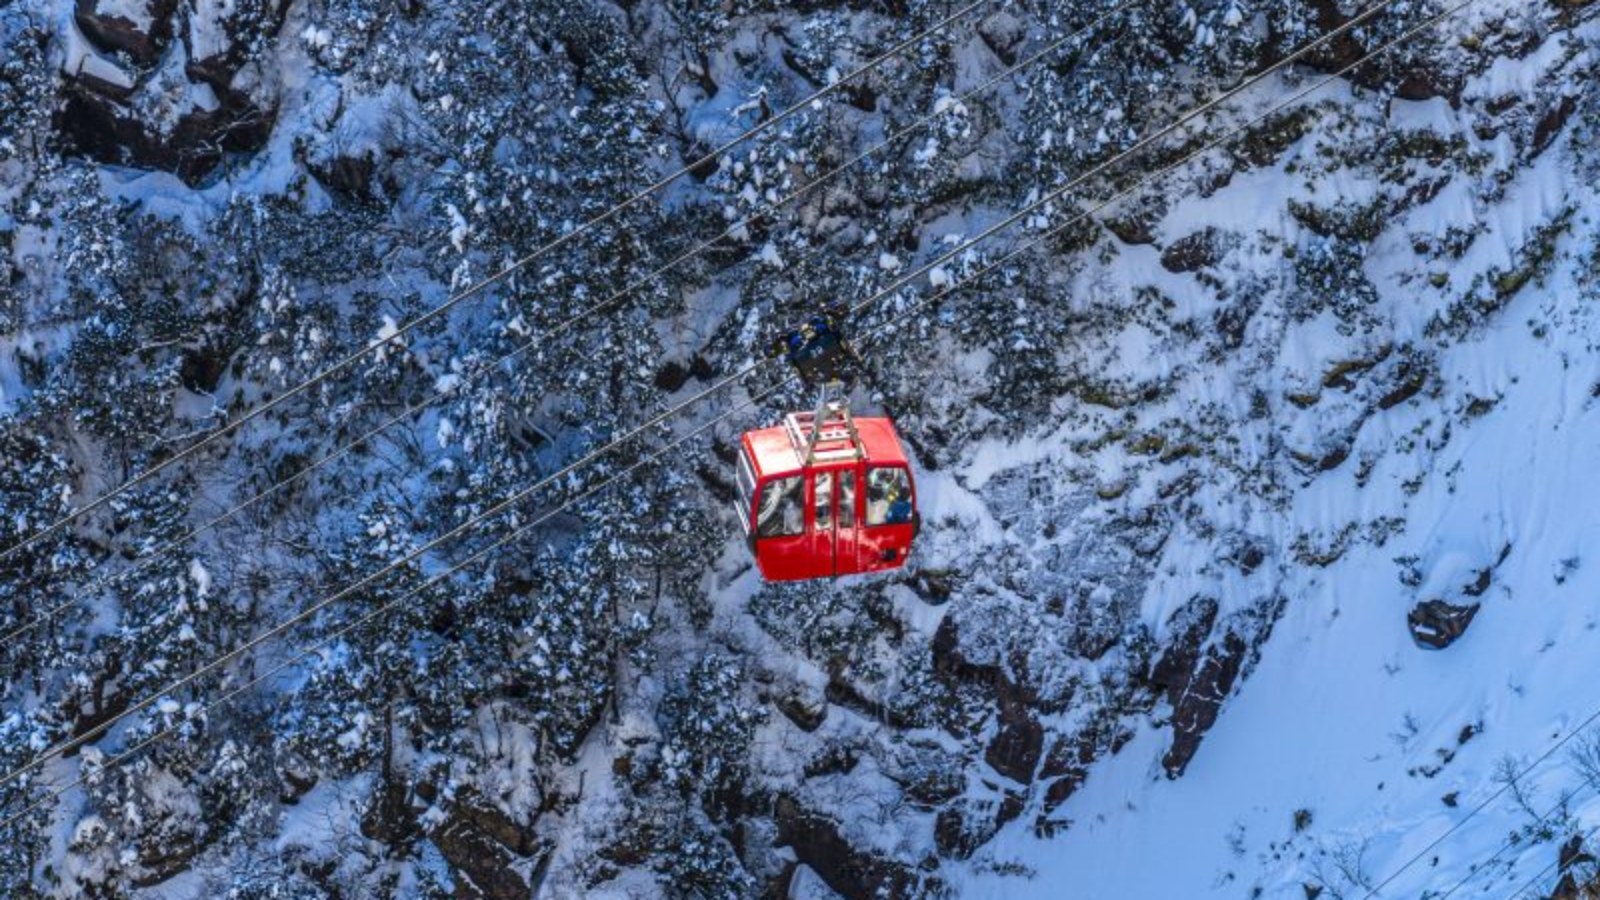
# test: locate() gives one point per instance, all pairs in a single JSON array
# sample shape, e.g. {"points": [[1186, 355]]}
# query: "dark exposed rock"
{"points": [[1410, 376], [348, 175], [1421, 80], [1190, 624], [1264, 144], [952, 835], [845, 694], [674, 375], [1249, 557], [837, 759], [671, 376], [1339, 375], [805, 713], [1002, 33], [483, 845], [1014, 747], [103, 129], [960, 830], [484, 868], [1014, 752], [1550, 125], [241, 34], [800, 65], [169, 854], [935, 787], [1436, 624], [1134, 231], [861, 95], [1196, 707], [1197, 674], [1231, 321], [202, 366], [491, 821], [391, 818], [1334, 458], [1479, 584], [1201, 250], [1571, 855], [932, 586], [98, 119], [1011, 806], [1425, 83], [818, 843], [113, 32], [1069, 758]]}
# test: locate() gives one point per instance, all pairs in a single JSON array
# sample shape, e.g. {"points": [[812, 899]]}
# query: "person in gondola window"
{"points": [[899, 509], [782, 513], [888, 496]]}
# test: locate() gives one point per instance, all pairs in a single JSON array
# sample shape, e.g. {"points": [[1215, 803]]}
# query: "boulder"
{"points": [[1201, 250], [1003, 34], [483, 867], [807, 713], [1436, 624]]}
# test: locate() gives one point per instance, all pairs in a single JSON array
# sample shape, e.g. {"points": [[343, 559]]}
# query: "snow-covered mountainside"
{"points": [[1259, 522]]}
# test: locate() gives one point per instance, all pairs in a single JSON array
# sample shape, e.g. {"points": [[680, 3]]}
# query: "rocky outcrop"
{"points": [[108, 25], [486, 848], [1420, 78], [1200, 669], [1571, 885], [169, 853], [1002, 33], [1201, 250], [1198, 701], [1018, 741], [818, 842], [1066, 766], [185, 118], [484, 867], [1436, 624]]}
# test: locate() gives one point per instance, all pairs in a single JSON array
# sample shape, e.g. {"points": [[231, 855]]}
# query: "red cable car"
{"points": [[825, 494]]}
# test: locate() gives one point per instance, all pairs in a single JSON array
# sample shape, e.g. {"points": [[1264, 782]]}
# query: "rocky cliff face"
{"points": [[168, 86], [1216, 419]]}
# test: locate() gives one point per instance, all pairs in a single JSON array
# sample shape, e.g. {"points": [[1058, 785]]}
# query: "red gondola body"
{"points": [[819, 501]]}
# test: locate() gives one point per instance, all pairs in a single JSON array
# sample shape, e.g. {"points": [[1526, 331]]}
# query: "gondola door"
{"points": [[847, 518], [821, 519], [833, 520]]}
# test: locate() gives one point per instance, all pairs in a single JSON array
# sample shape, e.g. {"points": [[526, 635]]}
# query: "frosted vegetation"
{"points": [[1258, 504]]}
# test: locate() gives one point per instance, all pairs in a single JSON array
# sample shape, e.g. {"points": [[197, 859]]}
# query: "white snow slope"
{"points": [[1345, 717]]}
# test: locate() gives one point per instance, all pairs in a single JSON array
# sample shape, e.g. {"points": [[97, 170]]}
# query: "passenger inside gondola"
{"points": [[888, 496], [782, 508]]}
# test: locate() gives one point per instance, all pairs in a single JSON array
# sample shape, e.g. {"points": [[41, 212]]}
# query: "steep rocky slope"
{"points": [[1256, 502]]}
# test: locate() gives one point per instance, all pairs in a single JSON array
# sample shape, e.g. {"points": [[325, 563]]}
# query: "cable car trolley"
{"points": [[825, 493]]}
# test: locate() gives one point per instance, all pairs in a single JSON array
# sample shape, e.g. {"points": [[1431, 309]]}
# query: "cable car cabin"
{"points": [[829, 498]]}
